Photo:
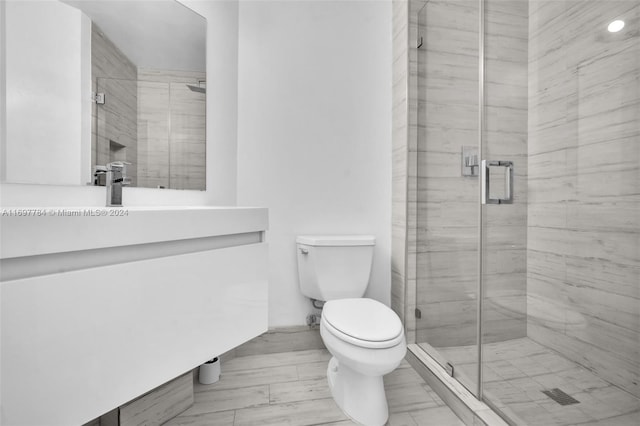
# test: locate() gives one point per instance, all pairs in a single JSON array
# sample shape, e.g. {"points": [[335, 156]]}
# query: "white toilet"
{"points": [[364, 336]]}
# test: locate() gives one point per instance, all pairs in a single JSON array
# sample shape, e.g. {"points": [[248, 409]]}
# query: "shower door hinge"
{"points": [[99, 98], [449, 368], [418, 313]]}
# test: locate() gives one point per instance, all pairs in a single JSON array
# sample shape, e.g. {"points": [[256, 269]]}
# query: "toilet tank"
{"points": [[334, 267]]}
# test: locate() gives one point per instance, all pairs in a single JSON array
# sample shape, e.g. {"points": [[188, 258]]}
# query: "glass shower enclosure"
{"points": [[528, 205]]}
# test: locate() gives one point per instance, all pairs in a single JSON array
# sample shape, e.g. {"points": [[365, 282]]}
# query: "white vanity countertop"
{"points": [[33, 231]]}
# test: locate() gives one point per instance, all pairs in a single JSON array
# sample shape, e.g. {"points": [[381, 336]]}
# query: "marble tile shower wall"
{"points": [[113, 129], [583, 252], [505, 138], [447, 231], [171, 129]]}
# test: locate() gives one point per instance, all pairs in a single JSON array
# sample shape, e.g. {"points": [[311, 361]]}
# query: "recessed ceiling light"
{"points": [[615, 26]]}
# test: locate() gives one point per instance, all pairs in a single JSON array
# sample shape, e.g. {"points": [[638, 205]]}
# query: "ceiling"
{"points": [[160, 34]]}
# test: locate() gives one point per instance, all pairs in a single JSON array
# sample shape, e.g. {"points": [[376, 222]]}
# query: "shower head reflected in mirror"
{"points": [[200, 88]]}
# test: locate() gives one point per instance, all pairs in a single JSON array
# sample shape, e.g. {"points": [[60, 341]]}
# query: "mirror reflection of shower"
{"points": [[150, 119], [155, 120], [200, 88]]}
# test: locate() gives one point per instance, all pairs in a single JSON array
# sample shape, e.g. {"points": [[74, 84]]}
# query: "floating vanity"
{"points": [[100, 305]]}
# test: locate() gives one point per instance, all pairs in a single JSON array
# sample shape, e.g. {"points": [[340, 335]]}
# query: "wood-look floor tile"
{"points": [[437, 416], [211, 401], [283, 340], [313, 370], [409, 397], [401, 419], [302, 390], [531, 414], [276, 359], [520, 369], [222, 418], [616, 401], [623, 420], [565, 414], [296, 393], [402, 376], [434, 396], [293, 414], [404, 364], [244, 378], [161, 404]]}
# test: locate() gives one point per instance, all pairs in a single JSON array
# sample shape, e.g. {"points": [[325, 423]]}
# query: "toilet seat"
{"points": [[366, 323]]}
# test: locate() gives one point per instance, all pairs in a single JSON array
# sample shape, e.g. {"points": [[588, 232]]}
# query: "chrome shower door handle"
{"points": [[485, 181]]}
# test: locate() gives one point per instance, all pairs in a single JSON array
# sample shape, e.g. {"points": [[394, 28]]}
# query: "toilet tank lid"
{"points": [[336, 240]]}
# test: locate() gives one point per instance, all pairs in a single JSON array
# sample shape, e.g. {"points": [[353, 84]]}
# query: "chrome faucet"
{"points": [[116, 179]]}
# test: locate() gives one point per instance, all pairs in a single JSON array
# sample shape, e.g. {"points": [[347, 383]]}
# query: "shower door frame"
{"points": [[481, 230]]}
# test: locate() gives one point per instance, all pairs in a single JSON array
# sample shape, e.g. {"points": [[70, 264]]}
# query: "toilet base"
{"points": [[360, 397]]}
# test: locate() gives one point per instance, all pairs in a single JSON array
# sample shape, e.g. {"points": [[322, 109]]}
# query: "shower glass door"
{"points": [[561, 262], [448, 186], [504, 198]]}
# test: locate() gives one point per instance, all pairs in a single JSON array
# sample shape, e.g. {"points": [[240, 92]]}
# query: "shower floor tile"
{"points": [[517, 371], [291, 389]]}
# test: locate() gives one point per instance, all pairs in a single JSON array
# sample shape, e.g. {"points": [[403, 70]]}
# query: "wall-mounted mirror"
{"points": [[89, 82]]}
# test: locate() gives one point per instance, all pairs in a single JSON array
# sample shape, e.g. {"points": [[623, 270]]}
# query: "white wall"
{"points": [[222, 96], [222, 41], [312, 119], [314, 132], [47, 104], [3, 91]]}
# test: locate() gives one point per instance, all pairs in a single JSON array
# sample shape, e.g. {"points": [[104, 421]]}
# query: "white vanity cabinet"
{"points": [[99, 309]]}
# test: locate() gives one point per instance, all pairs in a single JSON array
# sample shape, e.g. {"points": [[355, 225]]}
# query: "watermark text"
{"points": [[63, 212]]}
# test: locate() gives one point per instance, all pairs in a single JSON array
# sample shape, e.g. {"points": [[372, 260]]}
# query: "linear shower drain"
{"points": [[560, 397]]}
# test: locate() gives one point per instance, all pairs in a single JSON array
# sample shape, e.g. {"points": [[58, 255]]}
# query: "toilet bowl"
{"points": [[367, 341], [364, 336]]}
